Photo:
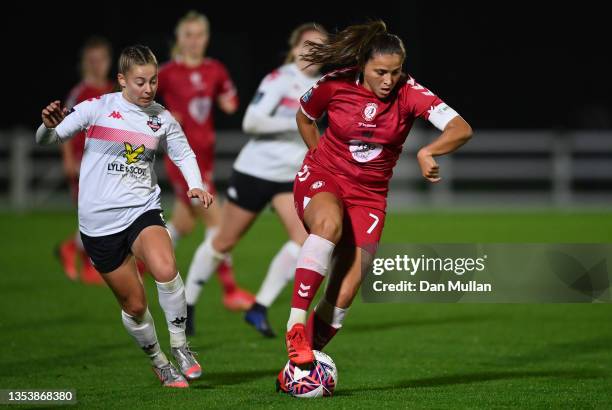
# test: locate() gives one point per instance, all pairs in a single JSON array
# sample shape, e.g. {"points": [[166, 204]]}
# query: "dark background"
{"points": [[506, 66]]}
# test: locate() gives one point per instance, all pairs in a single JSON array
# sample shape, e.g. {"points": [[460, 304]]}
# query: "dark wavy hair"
{"points": [[355, 45]]}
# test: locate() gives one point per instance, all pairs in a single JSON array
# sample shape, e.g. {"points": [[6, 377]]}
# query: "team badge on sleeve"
{"points": [[306, 96], [154, 123]]}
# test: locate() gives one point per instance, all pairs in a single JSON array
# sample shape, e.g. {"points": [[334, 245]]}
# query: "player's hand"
{"points": [[204, 196], [429, 167], [53, 114]]}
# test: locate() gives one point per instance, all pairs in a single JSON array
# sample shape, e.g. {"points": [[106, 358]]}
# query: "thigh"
{"points": [[154, 247], [210, 216], [126, 284], [311, 183], [285, 209], [363, 227], [182, 216], [235, 221]]}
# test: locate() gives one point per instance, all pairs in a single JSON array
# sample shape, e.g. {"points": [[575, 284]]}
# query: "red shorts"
{"points": [[206, 165], [364, 215]]}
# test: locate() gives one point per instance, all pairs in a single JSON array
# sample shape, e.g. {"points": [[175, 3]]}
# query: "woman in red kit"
{"points": [[341, 191], [190, 85], [95, 64]]}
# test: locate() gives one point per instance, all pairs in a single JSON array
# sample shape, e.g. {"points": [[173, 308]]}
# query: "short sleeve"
{"points": [[421, 102], [315, 101]]}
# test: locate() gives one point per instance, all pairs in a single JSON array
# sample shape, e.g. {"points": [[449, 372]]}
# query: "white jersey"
{"points": [[275, 151], [117, 183]]}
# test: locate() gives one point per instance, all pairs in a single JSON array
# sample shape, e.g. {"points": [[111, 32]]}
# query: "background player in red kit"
{"points": [[96, 56], [340, 192], [190, 85]]}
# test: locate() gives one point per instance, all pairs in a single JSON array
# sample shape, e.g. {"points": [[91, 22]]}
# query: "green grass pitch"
{"points": [[58, 334]]}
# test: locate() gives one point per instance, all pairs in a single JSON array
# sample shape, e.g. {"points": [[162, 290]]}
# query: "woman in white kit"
{"points": [[119, 205], [263, 173]]}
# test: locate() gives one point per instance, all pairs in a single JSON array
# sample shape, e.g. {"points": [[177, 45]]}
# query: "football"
{"points": [[317, 380]]}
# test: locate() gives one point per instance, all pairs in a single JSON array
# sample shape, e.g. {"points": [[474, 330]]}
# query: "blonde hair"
{"points": [[296, 36], [135, 55], [191, 17]]}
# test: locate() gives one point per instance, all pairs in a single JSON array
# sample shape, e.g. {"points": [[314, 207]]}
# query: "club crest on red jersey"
{"points": [[369, 111], [154, 123]]}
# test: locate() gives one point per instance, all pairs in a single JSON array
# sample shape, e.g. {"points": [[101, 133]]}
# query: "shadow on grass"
{"points": [[471, 378], [213, 379], [370, 327]]}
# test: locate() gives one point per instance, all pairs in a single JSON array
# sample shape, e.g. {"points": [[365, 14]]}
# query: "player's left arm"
{"points": [[227, 99], [456, 133], [455, 130]]}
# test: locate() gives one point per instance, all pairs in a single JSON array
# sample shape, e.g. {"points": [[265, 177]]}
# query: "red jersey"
{"points": [[190, 92], [365, 134], [78, 94]]}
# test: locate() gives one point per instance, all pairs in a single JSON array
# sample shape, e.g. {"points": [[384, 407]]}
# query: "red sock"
{"points": [[226, 277], [318, 332], [305, 287]]}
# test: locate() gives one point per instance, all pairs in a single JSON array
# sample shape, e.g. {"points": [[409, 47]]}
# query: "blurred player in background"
{"points": [[341, 191], [95, 64], [263, 174], [119, 202], [190, 85]]}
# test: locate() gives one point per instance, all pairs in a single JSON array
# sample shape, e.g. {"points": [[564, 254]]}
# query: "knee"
{"points": [[164, 270], [135, 307], [328, 226], [185, 227], [224, 243]]}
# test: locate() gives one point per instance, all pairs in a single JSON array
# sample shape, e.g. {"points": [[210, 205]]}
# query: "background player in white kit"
{"points": [[119, 202], [264, 172]]}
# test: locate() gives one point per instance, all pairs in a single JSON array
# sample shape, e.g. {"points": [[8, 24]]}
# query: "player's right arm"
{"points": [[308, 130], [259, 117], [59, 124], [313, 104]]}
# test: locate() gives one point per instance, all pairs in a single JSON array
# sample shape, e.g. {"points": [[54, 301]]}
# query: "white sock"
{"points": [[143, 331], [210, 232], [209, 235], [281, 271], [174, 233], [330, 314], [296, 316], [204, 263], [172, 301], [78, 241]]}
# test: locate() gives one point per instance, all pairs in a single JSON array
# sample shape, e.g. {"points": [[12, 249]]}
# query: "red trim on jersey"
{"points": [[118, 135], [290, 102]]}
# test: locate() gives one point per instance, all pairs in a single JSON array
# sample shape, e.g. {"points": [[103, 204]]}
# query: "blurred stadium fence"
{"points": [[496, 169]]}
